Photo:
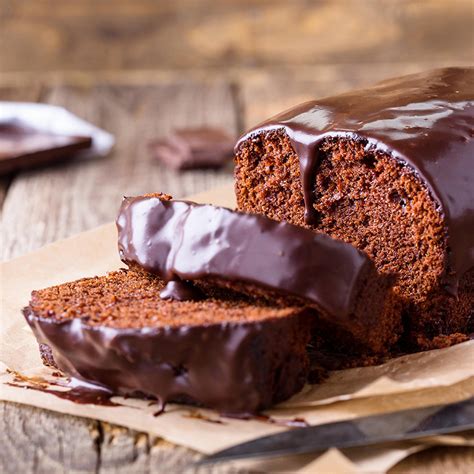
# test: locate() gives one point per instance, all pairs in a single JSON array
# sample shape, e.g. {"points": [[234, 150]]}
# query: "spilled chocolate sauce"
{"points": [[77, 392], [83, 395], [288, 422], [200, 416], [89, 394]]}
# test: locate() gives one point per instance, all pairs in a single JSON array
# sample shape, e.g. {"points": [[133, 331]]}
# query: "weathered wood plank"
{"points": [[44, 205], [33, 441], [128, 452], [40, 441], [145, 34], [438, 460]]}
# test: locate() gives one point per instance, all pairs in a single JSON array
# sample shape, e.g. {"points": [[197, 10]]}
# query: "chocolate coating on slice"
{"points": [[425, 121], [184, 240], [231, 367]]}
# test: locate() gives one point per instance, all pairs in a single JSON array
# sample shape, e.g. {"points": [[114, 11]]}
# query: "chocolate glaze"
{"points": [[425, 121], [221, 366], [181, 291], [180, 239], [85, 395]]}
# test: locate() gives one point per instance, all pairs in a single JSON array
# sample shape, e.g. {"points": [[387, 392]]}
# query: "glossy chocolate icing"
{"points": [[222, 366], [188, 241], [425, 121]]}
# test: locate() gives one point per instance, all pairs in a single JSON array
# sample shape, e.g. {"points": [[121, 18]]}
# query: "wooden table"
{"points": [[41, 206]]}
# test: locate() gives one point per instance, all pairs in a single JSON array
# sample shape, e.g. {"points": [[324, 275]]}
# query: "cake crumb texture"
{"points": [[130, 299], [378, 204]]}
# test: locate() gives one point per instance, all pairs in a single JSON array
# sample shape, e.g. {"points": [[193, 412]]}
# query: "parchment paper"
{"points": [[417, 380]]}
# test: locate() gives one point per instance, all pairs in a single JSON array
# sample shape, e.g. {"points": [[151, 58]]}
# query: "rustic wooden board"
{"points": [[39, 441], [71, 197], [146, 34]]}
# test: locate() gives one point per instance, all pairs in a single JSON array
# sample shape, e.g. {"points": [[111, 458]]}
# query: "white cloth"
{"points": [[54, 119]]}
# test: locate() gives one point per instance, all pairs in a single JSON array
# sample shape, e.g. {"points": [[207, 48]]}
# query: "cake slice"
{"points": [[214, 246], [228, 354], [389, 169]]}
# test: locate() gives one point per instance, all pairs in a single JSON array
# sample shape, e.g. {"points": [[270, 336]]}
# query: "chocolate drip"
{"points": [[180, 291], [425, 121], [179, 239]]}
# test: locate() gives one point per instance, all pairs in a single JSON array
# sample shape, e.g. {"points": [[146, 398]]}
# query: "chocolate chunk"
{"points": [[194, 148], [22, 146]]}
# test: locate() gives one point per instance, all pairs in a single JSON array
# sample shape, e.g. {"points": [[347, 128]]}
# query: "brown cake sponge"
{"points": [[375, 203]]}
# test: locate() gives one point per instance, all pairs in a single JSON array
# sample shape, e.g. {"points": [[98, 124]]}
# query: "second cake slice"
{"points": [[180, 240]]}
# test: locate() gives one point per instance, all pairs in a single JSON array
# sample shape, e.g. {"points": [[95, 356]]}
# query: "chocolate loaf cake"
{"points": [[228, 354], [389, 169], [277, 261]]}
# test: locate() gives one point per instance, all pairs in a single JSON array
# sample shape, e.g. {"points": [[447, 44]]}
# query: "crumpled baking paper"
{"points": [[416, 380]]}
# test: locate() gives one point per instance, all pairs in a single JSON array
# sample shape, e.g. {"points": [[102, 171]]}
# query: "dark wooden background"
{"points": [[106, 35], [139, 68]]}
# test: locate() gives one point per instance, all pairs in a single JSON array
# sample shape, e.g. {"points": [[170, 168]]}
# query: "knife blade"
{"points": [[396, 426]]}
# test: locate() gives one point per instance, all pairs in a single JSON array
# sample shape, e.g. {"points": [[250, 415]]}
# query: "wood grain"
{"points": [[39, 441], [438, 460], [146, 34]]}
